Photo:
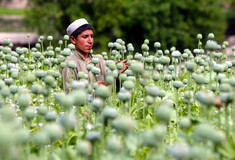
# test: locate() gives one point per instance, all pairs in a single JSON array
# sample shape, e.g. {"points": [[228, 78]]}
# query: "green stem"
{"points": [[227, 120]]}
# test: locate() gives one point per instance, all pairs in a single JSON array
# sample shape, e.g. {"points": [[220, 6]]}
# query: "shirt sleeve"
{"points": [[103, 68]]}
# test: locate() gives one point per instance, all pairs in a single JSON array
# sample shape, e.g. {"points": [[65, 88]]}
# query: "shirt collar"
{"points": [[81, 56]]}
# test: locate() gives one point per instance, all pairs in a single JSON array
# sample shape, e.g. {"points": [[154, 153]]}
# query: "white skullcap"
{"points": [[75, 25]]}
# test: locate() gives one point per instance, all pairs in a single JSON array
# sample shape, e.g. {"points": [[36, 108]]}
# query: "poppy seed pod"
{"points": [[190, 66], [7, 41], [92, 136], [177, 84], [157, 44], [124, 96], [49, 80], [164, 113], [66, 101], [29, 114], [97, 105], [119, 66], [144, 47], [66, 52], [13, 89], [102, 92], [138, 56], [41, 138], [3, 68], [49, 38], [211, 36], [50, 116], [54, 131], [206, 98], [199, 78], [66, 37], [109, 79], [95, 70], [211, 45], [166, 52], [180, 150], [188, 94], [72, 46], [114, 145], [225, 87], [23, 100], [95, 61], [123, 77], [109, 113], [84, 148], [204, 131], [152, 91], [144, 82], [164, 60], [137, 67], [159, 132], [199, 36], [161, 93], [128, 85], [185, 55], [21, 136], [112, 66], [171, 68], [40, 73], [226, 97], [148, 138], [79, 85], [167, 77], [131, 78], [42, 110], [6, 50], [218, 68], [130, 49], [156, 77], [7, 114], [79, 97], [6, 138], [159, 68], [218, 137], [185, 122], [36, 89], [30, 77], [123, 124], [72, 65], [176, 54], [50, 53], [8, 81], [67, 122], [221, 77], [232, 81], [149, 100]]}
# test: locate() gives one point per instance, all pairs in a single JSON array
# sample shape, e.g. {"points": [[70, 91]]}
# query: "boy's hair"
{"points": [[80, 29]]}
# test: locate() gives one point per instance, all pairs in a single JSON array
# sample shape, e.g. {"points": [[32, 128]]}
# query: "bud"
{"points": [[50, 116], [123, 124], [84, 148]]}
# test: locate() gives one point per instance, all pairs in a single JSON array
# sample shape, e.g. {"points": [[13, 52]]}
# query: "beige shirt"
{"points": [[81, 67]]}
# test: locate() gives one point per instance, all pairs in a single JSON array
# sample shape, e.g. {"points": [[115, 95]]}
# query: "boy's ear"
{"points": [[72, 39]]}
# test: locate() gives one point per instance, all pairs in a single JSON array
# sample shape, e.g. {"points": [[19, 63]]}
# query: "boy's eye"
{"points": [[86, 36]]}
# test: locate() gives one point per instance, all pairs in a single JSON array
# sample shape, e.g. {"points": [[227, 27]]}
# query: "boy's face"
{"points": [[84, 42]]}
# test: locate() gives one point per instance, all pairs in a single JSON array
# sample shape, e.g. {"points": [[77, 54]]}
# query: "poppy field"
{"points": [[168, 104]]}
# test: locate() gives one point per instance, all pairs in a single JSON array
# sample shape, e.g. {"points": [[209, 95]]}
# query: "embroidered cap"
{"points": [[75, 25]]}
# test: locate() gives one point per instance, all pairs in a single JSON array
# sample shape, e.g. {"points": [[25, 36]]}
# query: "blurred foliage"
{"points": [[8, 11], [170, 22], [230, 18]]}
